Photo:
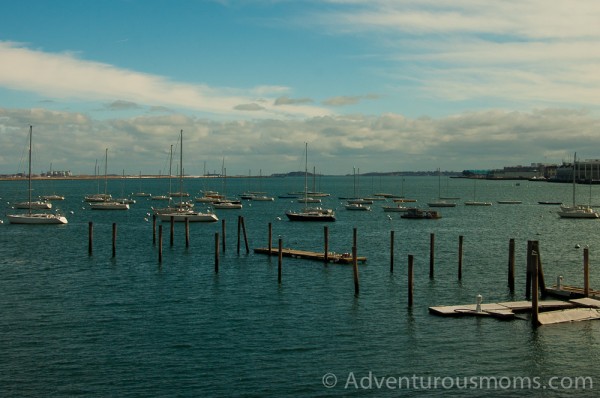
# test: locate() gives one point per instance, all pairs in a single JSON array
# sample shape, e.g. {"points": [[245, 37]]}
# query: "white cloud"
{"points": [[64, 76]]}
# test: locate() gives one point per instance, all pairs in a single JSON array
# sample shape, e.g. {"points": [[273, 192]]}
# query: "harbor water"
{"points": [[75, 324]]}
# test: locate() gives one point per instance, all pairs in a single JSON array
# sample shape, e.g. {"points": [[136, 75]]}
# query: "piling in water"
{"points": [[326, 238], [534, 289], [511, 265], [279, 263], [410, 279], [355, 263], [187, 232], [216, 252], [431, 254], [172, 230], [586, 272], [160, 243]]}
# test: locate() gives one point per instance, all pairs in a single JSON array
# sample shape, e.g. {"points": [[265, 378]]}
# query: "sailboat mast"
{"points": [[105, 171], [181, 162], [574, 158], [305, 172], [30, 145]]}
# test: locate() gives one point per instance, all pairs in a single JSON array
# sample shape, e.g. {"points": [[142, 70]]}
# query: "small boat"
{"points": [[509, 202], [440, 202], [108, 203], [397, 208], [477, 203], [140, 193], [30, 217], [53, 197], [35, 204], [262, 198], [358, 206], [227, 204], [544, 202], [98, 197], [309, 200], [404, 200], [160, 197], [416, 213]]}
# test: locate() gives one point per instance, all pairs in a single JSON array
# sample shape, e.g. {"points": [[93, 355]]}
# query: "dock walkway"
{"points": [[344, 258]]}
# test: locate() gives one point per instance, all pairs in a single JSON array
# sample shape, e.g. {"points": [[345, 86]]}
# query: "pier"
{"points": [[340, 258]]}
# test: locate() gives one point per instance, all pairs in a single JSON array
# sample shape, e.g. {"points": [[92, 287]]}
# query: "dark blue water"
{"points": [[74, 324]]}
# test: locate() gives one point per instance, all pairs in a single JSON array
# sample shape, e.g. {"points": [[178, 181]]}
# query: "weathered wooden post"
{"points": [[223, 232], [90, 237], [392, 252], [460, 256], [114, 239], [431, 254], [326, 249], [534, 289], [187, 232], [153, 229], [216, 252], [410, 279], [355, 263], [160, 243], [511, 265], [280, 258], [270, 245], [540, 269], [172, 230], [529, 267], [586, 271], [239, 228], [245, 237]]}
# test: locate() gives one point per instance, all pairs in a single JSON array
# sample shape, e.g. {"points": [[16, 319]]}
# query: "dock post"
{"points": [[534, 289], [326, 251], [90, 237], [153, 229], [160, 242], [279, 263], [586, 271], [270, 245], [172, 230], [540, 269], [239, 227], [216, 252], [410, 279], [245, 236], [392, 252], [355, 264], [529, 267], [511, 265], [460, 256], [223, 232], [431, 254], [187, 232], [114, 240]]}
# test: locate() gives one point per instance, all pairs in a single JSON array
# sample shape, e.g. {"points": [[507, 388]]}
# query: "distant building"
{"points": [[585, 171]]}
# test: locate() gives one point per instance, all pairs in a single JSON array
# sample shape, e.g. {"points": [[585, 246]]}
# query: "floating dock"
{"points": [[505, 310], [343, 258]]}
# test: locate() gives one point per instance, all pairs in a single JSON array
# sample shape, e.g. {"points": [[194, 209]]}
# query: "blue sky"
{"points": [[382, 85]]}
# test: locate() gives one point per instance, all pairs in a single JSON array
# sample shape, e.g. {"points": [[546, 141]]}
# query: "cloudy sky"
{"points": [[382, 85]]}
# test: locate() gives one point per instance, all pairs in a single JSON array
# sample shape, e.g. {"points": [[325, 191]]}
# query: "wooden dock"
{"points": [[570, 292], [505, 310], [344, 258]]}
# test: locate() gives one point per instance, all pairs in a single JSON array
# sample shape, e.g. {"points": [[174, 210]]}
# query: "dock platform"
{"points": [[505, 310], [341, 258]]}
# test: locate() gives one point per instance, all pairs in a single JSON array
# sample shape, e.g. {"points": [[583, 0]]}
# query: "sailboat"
{"points": [[108, 203], [53, 196], [475, 202], [97, 197], [576, 211], [225, 203], [357, 203], [310, 213], [141, 193], [183, 212], [30, 217], [440, 202]]}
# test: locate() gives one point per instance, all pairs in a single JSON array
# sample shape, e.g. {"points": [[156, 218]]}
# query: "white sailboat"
{"points": [[183, 212], [476, 202], [30, 217], [357, 203], [577, 211], [440, 202], [107, 203], [310, 213]]}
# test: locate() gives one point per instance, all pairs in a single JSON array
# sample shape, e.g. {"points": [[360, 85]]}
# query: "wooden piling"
{"points": [[114, 239], [153, 229], [172, 237], [355, 263], [245, 236], [223, 232], [160, 243], [540, 269], [239, 229], [511, 265], [280, 261], [392, 252], [529, 267], [216, 252], [586, 271], [431, 254], [90, 237], [534, 289], [460, 256], [187, 232], [270, 245], [410, 279], [326, 238]]}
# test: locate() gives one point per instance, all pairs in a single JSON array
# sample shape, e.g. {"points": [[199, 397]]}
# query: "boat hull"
{"points": [[191, 217], [36, 218]]}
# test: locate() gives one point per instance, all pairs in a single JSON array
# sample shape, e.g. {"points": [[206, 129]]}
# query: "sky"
{"points": [[378, 85]]}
